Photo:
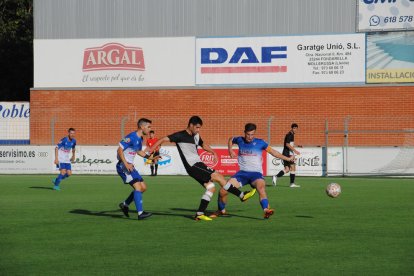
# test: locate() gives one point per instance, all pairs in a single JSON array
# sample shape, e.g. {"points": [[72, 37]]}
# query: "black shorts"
{"points": [[156, 153], [200, 172], [287, 163]]}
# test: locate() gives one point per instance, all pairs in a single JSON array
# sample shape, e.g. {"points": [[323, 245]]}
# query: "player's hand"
{"points": [[232, 154], [291, 158], [215, 157], [129, 167], [56, 162], [72, 159], [297, 153], [156, 158]]}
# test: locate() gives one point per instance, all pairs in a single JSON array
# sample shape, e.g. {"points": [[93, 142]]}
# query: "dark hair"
{"points": [[143, 121], [249, 127], [195, 120], [71, 129], [151, 131], [294, 125]]}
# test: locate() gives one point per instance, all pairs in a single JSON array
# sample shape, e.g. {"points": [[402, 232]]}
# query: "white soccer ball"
{"points": [[333, 190]]}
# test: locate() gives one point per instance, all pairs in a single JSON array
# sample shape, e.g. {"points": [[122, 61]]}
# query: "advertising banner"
{"points": [[26, 159], [281, 60], [225, 164], [385, 15], [14, 123], [390, 57], [309, 163], [120, 62]]}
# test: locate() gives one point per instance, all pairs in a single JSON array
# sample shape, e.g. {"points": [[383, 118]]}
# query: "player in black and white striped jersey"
{"points": [[187, 142]]}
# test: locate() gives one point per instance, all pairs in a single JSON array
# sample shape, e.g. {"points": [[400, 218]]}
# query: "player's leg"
{"points": [[222, 199], [156, 167], [229, 187], [59, 178], [139, 188], [260, 185], [152, 168], [205, 200], [280, 173], [292, 176]]}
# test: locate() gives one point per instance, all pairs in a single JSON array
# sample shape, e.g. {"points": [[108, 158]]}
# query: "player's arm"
{"points": [[292, 148], [56, 155], [277, 154], [143, 154], [230, 148], [158, 143], [207, 148], [73, 155], [121, 155]]}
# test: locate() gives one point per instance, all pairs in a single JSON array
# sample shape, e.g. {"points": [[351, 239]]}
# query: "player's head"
{"points": [[71, 133], [249, 132], [294, 127], [151, 134], [194, 124], [144, 124]]}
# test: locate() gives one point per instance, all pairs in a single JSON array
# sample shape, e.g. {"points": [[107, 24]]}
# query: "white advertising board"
{"points": [[385, 15], [14, 122], [281, 60], [129, 62], [309, 163], [26, 159]]}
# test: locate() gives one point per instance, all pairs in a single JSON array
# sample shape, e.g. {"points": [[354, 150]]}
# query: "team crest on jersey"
{"points": [[126, 140]]}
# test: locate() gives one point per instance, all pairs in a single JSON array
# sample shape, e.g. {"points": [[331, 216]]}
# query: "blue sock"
{"points": [[265, 203], [138, 201], [221, 204], [65, 176], [129, 199], [58, 179]]}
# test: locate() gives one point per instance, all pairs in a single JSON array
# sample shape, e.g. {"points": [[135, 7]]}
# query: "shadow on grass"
{"points": [[133, 213], [226, 216], [278, 186], [39, 187], [301, 216]]}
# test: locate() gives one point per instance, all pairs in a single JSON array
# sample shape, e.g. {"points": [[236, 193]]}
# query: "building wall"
{"points": [[63, 19], [100, 115]]}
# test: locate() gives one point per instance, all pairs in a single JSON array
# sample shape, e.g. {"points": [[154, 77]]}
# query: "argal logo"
{"points": [[113, 56], [208, 159]]}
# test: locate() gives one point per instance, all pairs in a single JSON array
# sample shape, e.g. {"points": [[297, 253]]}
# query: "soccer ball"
{"points": [[333, 190]]}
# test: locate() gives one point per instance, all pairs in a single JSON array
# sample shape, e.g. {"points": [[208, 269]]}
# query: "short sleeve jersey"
{"points": [[131, 144], [64, 147], [250, 154], [289, 139], [187, 147]]}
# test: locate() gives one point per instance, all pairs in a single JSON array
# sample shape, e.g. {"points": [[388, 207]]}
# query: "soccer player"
{"points": [[289, 150], [62, 159], [251, 172], [187, 142], [153, 163], [130, 146]]}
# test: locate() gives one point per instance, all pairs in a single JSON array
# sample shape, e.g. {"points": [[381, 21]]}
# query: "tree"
{"points": [[16, 49]]}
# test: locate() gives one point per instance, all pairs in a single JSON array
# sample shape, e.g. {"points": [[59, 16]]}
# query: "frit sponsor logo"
{"points": [[243, 60], [208, 159], [113, 56]]}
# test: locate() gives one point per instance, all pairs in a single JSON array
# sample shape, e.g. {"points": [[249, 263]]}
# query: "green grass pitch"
{"points": [[368, 230]]}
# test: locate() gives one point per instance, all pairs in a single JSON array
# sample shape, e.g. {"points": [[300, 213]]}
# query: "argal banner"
{"points": [[120, 62], [281, 60]]}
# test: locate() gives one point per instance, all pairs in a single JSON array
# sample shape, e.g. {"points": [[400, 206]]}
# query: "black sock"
{"points": [[152, 169], [203, 206], [281, 173], [233, 190], [156, 168], [292, 178]]}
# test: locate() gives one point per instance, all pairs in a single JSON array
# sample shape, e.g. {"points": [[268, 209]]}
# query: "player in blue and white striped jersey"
{"points": [[62, 157], [250, 161]]}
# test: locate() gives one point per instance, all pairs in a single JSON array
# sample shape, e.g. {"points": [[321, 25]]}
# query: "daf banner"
{"points": [[281, 60], [126, 62], [385, 15]]}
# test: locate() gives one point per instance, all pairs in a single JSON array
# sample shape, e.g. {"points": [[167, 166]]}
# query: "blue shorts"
{"points": [[129, 177], [64, 166], [244, 177]]}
